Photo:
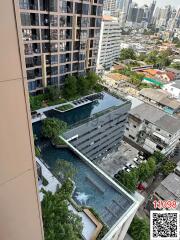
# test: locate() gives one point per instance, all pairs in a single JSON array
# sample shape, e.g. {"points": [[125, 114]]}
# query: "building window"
{"points": [[131, 137]]}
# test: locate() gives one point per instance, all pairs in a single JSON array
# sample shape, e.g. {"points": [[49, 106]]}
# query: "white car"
{"points": [[132, 166], [128, 165], [127, 170]]}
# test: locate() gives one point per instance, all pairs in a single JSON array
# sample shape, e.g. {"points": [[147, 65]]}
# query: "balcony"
{"points": [[31, 5], [45, 20]]}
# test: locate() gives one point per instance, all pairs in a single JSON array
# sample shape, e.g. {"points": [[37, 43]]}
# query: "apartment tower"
{"points": [[109, 45], [19, 209], [60, 38]]}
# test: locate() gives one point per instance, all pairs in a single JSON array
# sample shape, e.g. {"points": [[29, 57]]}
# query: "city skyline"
{"points": [[159, 3]]}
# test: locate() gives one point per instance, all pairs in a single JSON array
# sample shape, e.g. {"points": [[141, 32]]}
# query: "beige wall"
{"points": [[20, 213]]}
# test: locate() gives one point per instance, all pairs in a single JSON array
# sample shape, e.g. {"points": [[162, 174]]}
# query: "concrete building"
{"points": [[97, 126], [20, 209], [110, 6], [173, 89], [153, 129], [60, 38], [109, 44], [161, 99]]}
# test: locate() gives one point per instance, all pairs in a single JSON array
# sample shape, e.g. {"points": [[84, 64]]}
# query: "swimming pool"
{"points": [[91, 189]]}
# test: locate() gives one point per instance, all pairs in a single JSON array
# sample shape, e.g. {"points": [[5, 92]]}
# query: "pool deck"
{"points": [[91, 226]]}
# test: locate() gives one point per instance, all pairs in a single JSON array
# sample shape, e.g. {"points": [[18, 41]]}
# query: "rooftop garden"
{"points": [[74, 87], [65, 107]]}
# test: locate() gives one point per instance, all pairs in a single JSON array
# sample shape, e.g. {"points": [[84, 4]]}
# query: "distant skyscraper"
{"points": [[140, 15], [163, 16], [132, 13], [151, 11], [125, 4]]}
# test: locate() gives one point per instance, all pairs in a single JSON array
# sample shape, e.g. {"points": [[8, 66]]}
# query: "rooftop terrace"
{"points": [[87, 108]]}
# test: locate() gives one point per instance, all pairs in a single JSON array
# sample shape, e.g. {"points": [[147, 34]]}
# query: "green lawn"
{"points": [[65, 107]]}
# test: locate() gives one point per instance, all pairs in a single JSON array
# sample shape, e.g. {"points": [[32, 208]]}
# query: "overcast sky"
{"points": [[160, 3]]}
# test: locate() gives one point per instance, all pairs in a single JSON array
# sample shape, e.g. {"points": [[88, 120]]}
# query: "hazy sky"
{"points": [[160, 3]]}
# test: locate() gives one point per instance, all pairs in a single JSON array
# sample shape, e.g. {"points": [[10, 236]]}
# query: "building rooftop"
{"points": [[156, 117], [160, 97], [176, 84], [117, 76], [169, 187], [94, 107], [92, 187], [173, 70]]}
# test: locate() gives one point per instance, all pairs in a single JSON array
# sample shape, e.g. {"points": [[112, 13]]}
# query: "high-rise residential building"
{"points": [[109, 6], [163, 16], [60, 38], [109, 45], [20, 209]]}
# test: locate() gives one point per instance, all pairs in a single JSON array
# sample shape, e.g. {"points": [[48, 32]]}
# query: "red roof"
{"points": [[170, 75]]}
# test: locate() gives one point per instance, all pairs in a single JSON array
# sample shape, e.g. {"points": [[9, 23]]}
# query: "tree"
{"points": [[36, 102], [64, 170], [127, 53], [82, 85], [168, 167], [152, 166], [152, 57], [139, 229], [59, 222], [52, 128], [144, 172], [93, 79], [53, 93], [129, 180], [70, 87], [141, 57], [160, 157]]}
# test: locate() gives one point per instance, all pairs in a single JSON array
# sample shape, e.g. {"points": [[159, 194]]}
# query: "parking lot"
{"points": [[115, 161]]}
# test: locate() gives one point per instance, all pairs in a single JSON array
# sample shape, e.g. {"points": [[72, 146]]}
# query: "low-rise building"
{"points": [[169, 188], [153, 129], [175, 71], [160, 99], [173, 88]]}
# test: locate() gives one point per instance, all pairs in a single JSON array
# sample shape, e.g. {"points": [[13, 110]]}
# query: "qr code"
{"points": [[164, 225]]}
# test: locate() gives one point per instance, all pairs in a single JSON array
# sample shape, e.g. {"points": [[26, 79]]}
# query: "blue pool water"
{"points": [[78, 114], [91, 189]]}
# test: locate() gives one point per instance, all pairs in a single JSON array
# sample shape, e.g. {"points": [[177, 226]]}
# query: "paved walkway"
{"points": [[52, 181]]}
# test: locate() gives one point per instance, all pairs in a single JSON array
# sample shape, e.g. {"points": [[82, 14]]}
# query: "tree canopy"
{"points": [[59, 222], [168, 167], [127, 53], [131, 179], [64, 170], [70, 87], [53, 93], [139, 229], [52, 128], [80, 86]]}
